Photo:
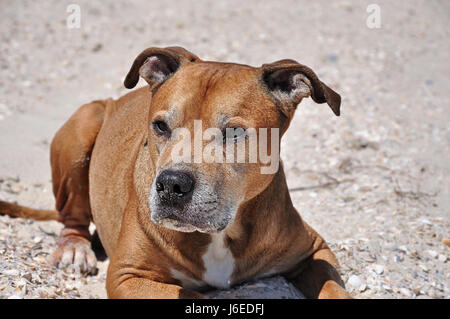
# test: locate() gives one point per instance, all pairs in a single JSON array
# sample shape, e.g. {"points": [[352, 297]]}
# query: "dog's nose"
{"points": [[174, 188]]}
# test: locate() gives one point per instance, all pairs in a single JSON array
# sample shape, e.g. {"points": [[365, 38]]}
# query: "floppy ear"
{"points": [[289, 82], [155, 65]]}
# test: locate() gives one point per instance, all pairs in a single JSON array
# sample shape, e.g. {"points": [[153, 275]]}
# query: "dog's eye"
{"points": [[161, 127], [234, 133]]}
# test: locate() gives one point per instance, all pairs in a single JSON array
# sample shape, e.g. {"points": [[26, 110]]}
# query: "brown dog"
{"points": [[175, 229]]}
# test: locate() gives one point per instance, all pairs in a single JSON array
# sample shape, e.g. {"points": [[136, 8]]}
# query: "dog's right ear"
{"points": [[291, 81], [156, 65]]}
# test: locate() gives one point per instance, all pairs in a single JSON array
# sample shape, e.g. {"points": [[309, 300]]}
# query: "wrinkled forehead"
{"points": [[214, 92]]}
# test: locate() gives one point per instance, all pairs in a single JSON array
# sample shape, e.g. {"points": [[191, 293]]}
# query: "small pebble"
{"points": [[386, 287], [355, 281], [416, 290], [97, 47], [425, 221], [433, 253], [424, 268], [379, 269], [403, 248], [408, 293]]}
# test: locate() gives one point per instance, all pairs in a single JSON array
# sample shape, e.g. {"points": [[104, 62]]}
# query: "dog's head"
{"points": [[214, 131]]}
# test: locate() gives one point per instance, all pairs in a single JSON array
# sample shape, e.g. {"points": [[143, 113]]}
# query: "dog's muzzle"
{"points": [[185, 201]]}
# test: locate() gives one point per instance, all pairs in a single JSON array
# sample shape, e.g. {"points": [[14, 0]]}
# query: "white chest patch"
{"points": [[218, 262], [186, 281]]}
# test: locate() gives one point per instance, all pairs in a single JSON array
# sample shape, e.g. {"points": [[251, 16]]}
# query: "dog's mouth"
{"points": [[187, 228], [173, 222]]}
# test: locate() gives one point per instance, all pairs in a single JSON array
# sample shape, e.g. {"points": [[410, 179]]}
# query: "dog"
{"points": [[176, 229]]}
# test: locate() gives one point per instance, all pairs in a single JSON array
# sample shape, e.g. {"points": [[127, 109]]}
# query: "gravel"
{"points": [[374, 182]]}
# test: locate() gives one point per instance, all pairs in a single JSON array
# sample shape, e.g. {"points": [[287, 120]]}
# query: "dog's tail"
{"points": [[15, 210]]}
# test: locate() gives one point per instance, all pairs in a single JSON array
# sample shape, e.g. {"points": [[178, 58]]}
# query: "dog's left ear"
{"points": [[289, 82], [156, 65]]}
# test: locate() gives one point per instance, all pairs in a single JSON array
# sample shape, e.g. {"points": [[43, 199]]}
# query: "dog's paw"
{"points": [[74, 253]]}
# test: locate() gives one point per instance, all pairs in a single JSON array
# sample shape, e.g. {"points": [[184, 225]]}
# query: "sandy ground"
{"points": [[374, 182]]}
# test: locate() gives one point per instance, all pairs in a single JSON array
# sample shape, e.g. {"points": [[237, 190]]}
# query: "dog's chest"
{"points": [[218, 262]]}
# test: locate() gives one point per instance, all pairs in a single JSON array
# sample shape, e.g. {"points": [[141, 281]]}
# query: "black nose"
{"points": [[174, 188]]}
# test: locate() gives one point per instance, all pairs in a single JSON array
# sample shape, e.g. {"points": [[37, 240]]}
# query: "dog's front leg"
{"points": [[125, 283], [70, 160], [138, 270], [317, 277]]}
